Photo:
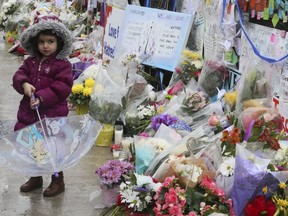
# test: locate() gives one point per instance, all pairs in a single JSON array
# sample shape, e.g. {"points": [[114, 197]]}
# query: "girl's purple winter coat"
{"points": [[53, 81]]}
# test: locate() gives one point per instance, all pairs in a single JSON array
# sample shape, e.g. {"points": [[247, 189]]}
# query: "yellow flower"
{"points": [[89, 82], [265, 190], [230, 97], [282, 203], [87, 91], [160, 109], [77, 88], [282, 185], [191, 55]]}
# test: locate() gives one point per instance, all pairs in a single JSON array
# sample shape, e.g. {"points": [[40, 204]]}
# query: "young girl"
{"points": [[47, 75]]}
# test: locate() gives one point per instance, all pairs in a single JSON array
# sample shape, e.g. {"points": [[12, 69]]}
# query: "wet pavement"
{"points": [[80, 180]]}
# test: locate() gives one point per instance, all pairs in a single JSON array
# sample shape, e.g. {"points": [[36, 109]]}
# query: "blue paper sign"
{"points": [[157, 35]]}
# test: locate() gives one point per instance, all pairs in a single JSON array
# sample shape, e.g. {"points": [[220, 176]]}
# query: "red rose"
{"points": [[259, 206], [271, 207], [260, 203]]}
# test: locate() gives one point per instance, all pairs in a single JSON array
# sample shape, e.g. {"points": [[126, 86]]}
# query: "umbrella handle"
{"points": [[33, 97]]}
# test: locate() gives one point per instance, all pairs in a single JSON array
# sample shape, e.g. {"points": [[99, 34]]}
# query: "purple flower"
{"points": [[181, 125], [112, 172], [141, 189], [166, 119]]}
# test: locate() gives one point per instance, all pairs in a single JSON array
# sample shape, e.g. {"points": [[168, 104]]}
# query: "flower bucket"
{"points": [[109, 195], [82, 109], [105, 136]]}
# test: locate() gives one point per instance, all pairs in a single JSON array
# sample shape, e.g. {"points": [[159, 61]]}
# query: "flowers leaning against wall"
{"points": [[81, 92]]}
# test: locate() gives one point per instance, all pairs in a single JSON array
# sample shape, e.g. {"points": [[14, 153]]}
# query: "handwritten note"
{"points": [[158, 35]]}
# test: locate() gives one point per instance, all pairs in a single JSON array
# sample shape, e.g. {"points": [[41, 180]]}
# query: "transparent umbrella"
{"points": [[50, 145]]}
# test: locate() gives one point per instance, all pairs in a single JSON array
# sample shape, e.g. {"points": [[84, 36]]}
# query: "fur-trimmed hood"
{"points": [[43, 23]]}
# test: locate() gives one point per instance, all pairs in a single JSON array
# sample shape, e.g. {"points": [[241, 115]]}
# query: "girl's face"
{"points": [[47, 44]]}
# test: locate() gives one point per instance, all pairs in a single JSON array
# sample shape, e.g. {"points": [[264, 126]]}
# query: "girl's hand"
{"points": [[28, 89], [34, 103]]}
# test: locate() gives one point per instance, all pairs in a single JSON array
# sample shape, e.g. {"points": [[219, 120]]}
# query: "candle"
{"points": [[116, 154], [118, 134], [126, 142]]}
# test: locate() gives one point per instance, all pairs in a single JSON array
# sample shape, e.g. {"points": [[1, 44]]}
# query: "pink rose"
{"points": [[171, 196], [213, 121], [175, 210]]}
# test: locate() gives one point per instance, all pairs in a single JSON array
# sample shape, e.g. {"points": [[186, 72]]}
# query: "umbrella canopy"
{"points": [[50, 145]]}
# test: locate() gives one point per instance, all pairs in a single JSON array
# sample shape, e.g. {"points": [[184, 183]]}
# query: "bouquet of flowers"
{"points": [[265, 131], [204, 199], [136, 122], [194, 101], [81, 92], [272, 202], [110, 176], [107, 99], [112, 173], [190, 66], [229, 139], [137, 194]]}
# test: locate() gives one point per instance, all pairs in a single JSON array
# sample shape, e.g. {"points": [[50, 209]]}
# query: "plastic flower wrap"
{"points": [[204, 199], [147, 148], [138, 192], [250, 177], [280, 160], [106, 99], [253, 88], [189, 172], [213, 77]]}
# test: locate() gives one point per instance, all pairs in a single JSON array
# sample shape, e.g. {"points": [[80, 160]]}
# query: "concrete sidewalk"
{"points": [[80, 180]]}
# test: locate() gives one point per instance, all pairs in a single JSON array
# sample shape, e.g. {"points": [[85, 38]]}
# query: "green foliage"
{"points": [[104, 111]]}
